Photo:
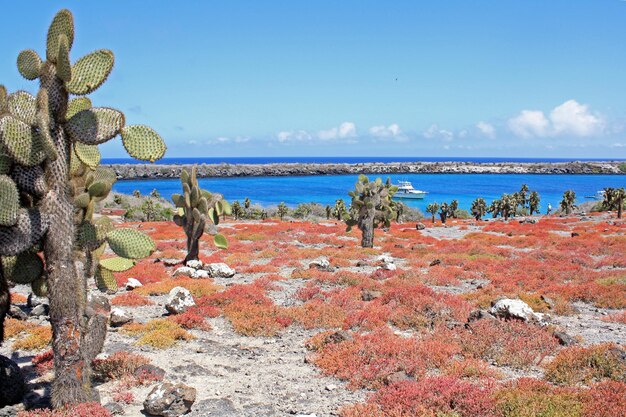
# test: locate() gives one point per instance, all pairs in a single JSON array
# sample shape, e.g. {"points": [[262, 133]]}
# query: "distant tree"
{"points": [[444, 211], [137, 193], [237, 210], [246, 203], [567, 204], [479, 208], [282, 210], [372, 206], [432, 208], [508, 205], [340, 210], [494, 208], [533, 202], [155, 193], [454, 206], [523, 193], [329, 212], [263, 214], [614, 200]]}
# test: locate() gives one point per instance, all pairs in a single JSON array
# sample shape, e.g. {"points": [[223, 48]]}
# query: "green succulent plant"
{"points": [[479, 208], [372, 206], [282, 210], [49, 235], [432, 208], [567, 203], [613, 199], [198, 211]]}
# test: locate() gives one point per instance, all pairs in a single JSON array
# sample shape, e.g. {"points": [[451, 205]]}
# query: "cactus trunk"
{"points": [[193, 249], [66, 289], [367, 230], [5, 301]]}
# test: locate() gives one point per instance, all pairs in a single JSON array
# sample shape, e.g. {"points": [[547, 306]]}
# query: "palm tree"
{"points": [[479, 208], [614, 200], [567, 204], [432, 208], [533, 202]]}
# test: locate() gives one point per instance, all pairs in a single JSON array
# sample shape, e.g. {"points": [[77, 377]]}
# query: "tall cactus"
{"points": [[198, 211], [479, 208], [372, 206], [44, 142]]}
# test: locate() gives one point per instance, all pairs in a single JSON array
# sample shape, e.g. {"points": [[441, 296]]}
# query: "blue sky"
{"points": [[356, 78]]}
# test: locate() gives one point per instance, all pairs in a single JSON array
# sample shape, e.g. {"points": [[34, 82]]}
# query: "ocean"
{"points": [[325, 189]]}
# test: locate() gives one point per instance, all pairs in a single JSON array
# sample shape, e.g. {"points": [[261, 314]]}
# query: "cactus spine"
{"points": [[48, 151], [372, 206], [198, 211]]}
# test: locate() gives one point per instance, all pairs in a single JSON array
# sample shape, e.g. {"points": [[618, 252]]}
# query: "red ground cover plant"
{"points": [[146, 271], [130, 299], [583, 365], [606, 399], [532, 397], [118, 365], [18, 298], [512, 343], [43, 362], [191, 319], [80, 410], [430, 397]]}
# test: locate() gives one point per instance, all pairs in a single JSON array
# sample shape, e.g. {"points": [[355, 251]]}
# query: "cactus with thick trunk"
{"points": [[479, 208], [49, 159], [198, 211], [372, 206]]}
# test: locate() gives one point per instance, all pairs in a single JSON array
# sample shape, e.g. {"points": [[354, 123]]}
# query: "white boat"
{"points": [[406, 190]]}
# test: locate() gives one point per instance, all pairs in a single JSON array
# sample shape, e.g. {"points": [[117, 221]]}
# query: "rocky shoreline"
{"points": [[152, 171]]}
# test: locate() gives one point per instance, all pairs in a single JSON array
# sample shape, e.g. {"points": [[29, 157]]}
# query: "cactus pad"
{"points": [[90, 72], [130, 243], [9, 201], [21, 142], [62, 24], [23, 106], [77, 104], [64, 68], [104, 175], [23, 268], [30, 227], [30, 180], [3, 100], [99, 189], [117, 264], [88, 154], [142, 142], [82, 200], [5, 164], [95, 126], [91, 236], [220, 241], [105, 280], [29, 64]]}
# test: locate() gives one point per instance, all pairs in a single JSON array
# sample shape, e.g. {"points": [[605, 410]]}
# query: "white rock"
{"points": [[195, 264], [510, 308], [184, 271], [385, 259], [119, 317], [200, 274], [320, 263], [389, 266], [179, 300], [133, 283], [219, 270]]}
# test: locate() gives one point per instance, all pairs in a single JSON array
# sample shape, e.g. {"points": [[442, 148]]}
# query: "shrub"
{"points": [[512, 343], [43, 362], [197, 287], [38, 337], [130, 299], [158, 333], [80, 410], [433, 396], [529, 397], [582, 365], [606, 399], [190, 319], [118, 365]]}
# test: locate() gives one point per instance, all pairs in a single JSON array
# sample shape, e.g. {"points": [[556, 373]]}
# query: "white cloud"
{"points": [[224, 139], [434, 132], [345, 130], [569, 118], [296, 135], [382, 131], [487, 129], [574, 118], [529, 123]]}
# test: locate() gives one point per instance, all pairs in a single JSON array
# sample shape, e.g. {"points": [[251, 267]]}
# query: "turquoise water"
{"points": [[269, 191]]}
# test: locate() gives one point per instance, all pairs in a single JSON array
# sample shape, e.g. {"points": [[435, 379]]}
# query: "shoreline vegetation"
{"points": [[151, 171]]}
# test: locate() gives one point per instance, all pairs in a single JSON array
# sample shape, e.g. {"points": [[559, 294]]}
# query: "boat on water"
{"points": [[406, 190], [599, 195]]}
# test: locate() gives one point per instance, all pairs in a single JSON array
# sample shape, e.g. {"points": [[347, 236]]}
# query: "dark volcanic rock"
{"points": [[169, 400], [12, 384]]}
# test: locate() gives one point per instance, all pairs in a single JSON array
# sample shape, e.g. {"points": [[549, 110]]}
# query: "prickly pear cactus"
{"points": [[372, 206], [49, 184], [198, 212]]}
